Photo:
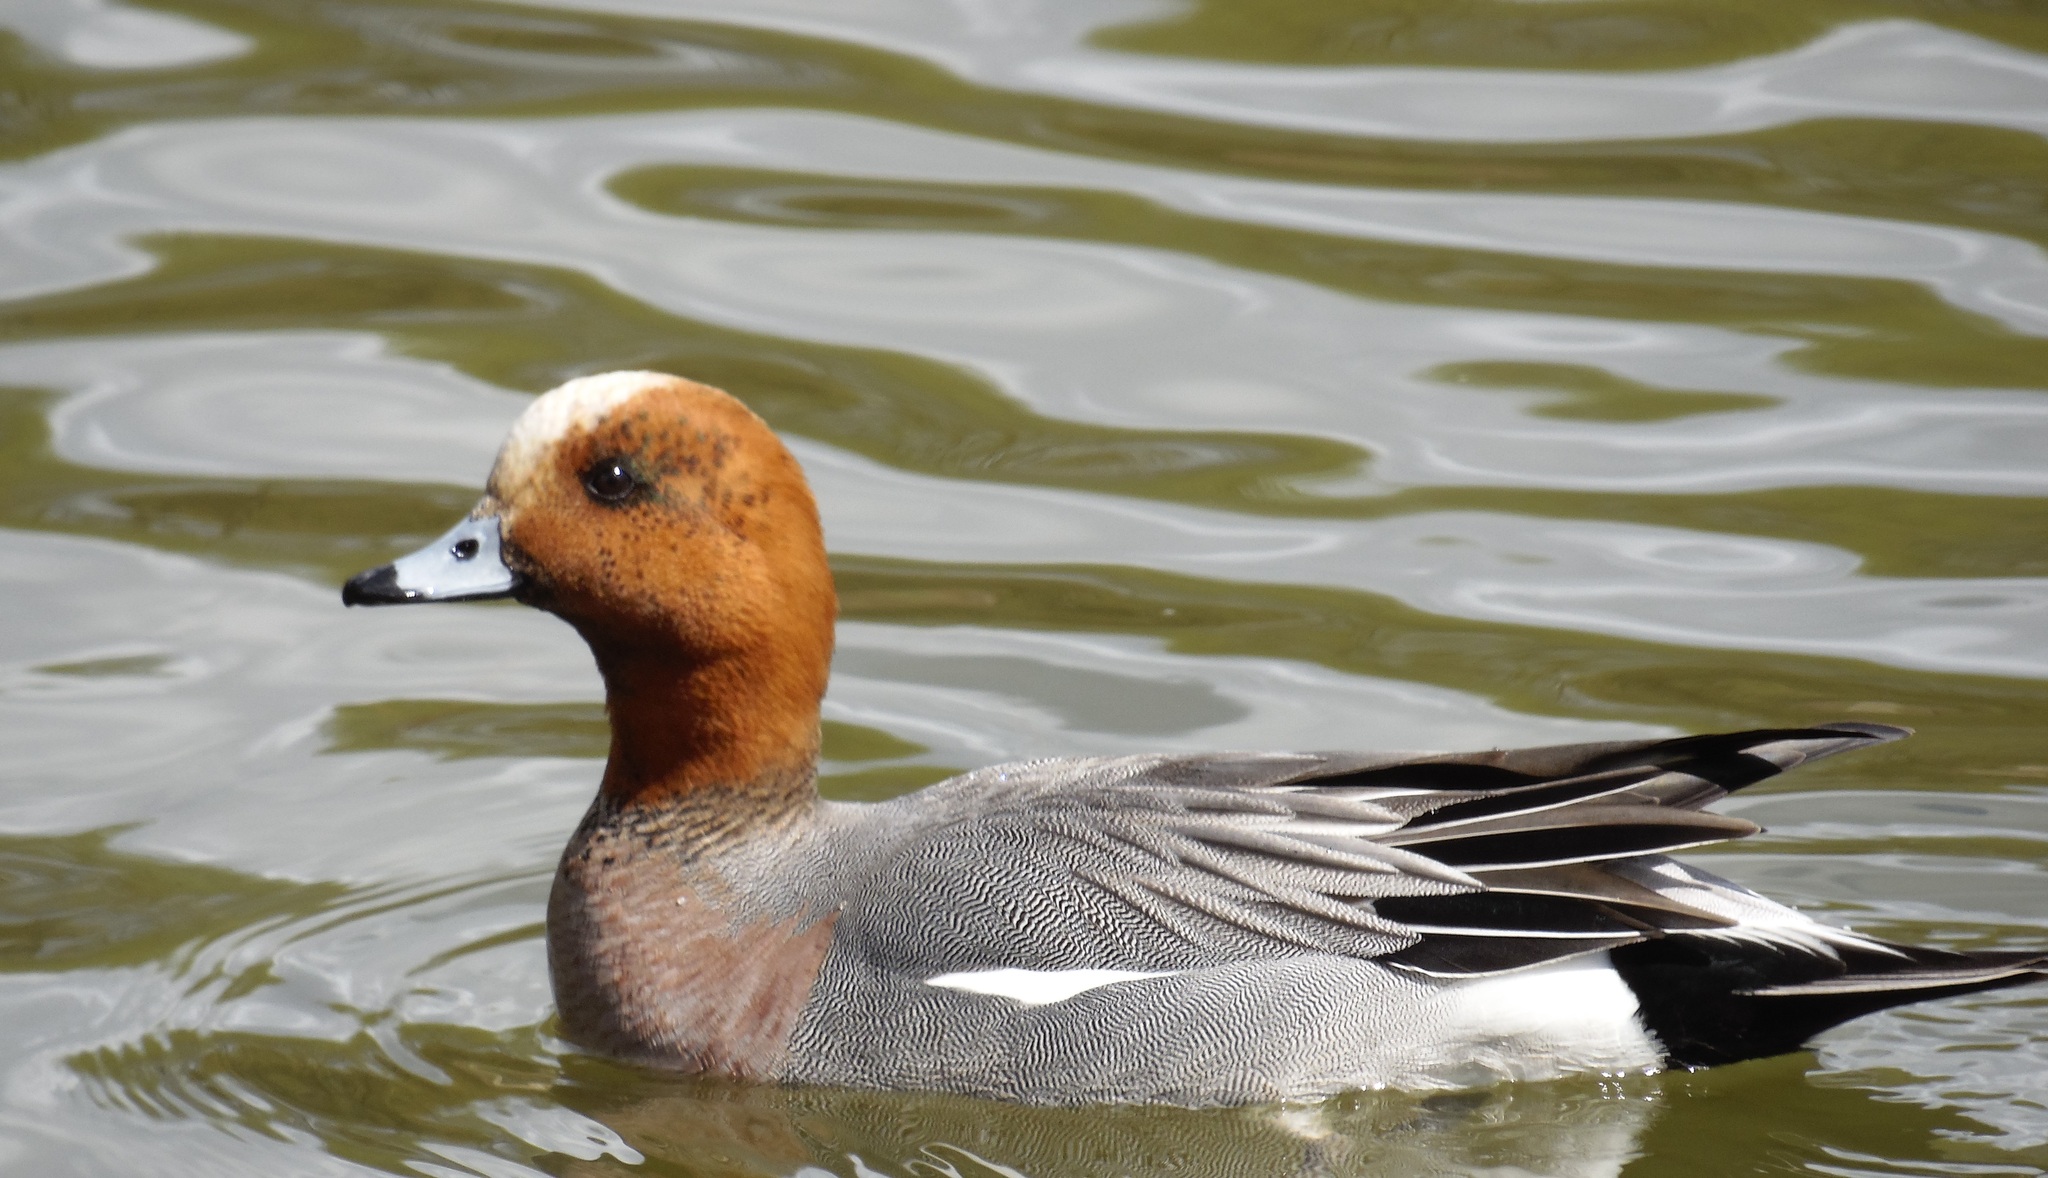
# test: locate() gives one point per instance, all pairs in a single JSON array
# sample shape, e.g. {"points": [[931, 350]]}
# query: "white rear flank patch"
{"points": [[1038, 987], [1571, 1016]]}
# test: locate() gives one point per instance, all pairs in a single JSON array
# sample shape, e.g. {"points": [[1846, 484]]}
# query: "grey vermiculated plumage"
{"points": [[1315, 918]]}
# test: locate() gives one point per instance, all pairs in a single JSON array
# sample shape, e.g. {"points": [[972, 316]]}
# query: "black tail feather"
{"points": [[1716, 1000]]}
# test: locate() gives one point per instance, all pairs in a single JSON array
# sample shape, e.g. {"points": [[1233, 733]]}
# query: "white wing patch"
{"points": [[1038, 987]]}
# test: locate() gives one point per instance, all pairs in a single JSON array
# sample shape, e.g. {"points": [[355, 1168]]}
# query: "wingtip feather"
{"points": [[1877, 733]]}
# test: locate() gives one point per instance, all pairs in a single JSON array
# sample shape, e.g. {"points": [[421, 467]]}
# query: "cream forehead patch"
{"points": [[577, 405]]}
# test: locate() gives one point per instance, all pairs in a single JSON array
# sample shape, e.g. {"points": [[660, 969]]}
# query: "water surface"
{"points": [[1172, 376]]}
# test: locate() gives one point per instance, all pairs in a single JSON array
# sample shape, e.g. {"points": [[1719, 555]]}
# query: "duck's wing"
{"points": [[1450, 866], [1250, 916]]}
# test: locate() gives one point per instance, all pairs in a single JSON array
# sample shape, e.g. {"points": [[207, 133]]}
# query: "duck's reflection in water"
{"points": [[1576, 1129]]}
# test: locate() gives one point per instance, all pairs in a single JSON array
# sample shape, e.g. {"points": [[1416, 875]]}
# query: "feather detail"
{"points": [[1532, 799], [1578, 834], [1347, 855], [1972, 970], [1446, 865], [1464, 957], [1266, 923], [1589, 882]]}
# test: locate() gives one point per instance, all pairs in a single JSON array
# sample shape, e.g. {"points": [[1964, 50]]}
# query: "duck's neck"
{"points": [[740, 730]]}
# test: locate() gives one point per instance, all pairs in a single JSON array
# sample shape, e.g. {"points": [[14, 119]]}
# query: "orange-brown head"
{"points": [[674, 531]]}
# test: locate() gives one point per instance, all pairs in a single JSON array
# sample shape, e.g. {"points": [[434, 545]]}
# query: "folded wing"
{"points": [[1448, 865]]}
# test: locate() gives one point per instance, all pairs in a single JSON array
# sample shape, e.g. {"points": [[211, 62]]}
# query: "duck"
{"points": [[1222, 928]]}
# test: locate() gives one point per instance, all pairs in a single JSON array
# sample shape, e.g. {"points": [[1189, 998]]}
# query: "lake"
{"points": [[1172, 376]]}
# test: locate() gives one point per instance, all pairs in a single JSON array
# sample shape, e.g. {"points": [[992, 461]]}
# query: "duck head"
{"points": [[674, 531]]}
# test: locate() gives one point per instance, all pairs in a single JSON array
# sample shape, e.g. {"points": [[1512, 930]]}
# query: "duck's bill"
{"points": [[466, 564]]}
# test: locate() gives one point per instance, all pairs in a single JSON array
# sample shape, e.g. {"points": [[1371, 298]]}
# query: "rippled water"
{"points": [[1230, 374]]}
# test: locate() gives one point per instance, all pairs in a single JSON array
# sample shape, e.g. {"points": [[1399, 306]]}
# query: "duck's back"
{"points": [[1224, 929]]}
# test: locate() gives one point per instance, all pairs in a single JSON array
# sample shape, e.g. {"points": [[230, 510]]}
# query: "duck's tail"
{"points": [[1717, 999]]}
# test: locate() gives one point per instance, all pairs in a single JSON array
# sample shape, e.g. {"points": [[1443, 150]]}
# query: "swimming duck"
{"points": [[1209, 929]]}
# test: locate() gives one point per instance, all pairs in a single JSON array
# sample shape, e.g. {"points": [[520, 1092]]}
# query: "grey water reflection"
{"points": [[1300, 373], [1565, 1131]]}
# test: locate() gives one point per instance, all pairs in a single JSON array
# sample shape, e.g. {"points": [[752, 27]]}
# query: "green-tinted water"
{"points": [[1222, 374]]}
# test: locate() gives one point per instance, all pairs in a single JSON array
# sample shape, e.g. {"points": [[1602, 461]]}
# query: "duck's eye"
{"points": [[609, 481]]}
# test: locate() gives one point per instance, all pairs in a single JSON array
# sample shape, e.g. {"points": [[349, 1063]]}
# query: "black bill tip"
{"points": [[467, 563], [378, 586]]}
